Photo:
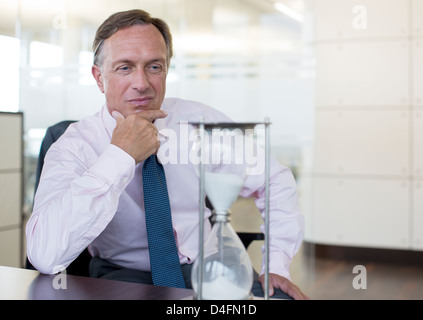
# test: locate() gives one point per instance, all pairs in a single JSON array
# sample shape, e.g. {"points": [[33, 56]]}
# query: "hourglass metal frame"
{"points": [[232, 125]]}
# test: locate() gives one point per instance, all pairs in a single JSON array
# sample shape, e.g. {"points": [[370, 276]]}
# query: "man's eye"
{"points": [[123, 69], [155, 68]]}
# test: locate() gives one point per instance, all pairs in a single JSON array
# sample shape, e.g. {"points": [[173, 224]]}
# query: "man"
{"points": [[90, 192]]}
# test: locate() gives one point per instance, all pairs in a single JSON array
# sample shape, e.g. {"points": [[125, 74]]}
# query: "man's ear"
{"points": [[95, 70]]}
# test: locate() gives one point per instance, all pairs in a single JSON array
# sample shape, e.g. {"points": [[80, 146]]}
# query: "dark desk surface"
{"points": [[22, 284]]}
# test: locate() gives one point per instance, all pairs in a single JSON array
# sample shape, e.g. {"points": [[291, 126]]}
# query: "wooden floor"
{"points": [[398, 276], [326, 272]]}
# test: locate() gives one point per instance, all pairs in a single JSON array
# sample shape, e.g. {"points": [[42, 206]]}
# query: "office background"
{"points": [[341, 80]]}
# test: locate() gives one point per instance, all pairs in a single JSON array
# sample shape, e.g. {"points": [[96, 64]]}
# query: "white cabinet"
{"points": [[369, 74], [11, 171], [358, 19], [359, 212], [365, 187], [362, 142], [417, 217], [417, 73]]}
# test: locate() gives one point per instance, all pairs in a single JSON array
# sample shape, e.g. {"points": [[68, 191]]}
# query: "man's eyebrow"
{"points": [[124, 61], [128, 61], [160, 60]]}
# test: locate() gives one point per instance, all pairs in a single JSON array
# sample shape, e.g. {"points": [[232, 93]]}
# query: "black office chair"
{"points": [[81, 264]]}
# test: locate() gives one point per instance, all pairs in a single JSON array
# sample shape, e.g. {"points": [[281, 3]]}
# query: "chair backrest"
{"points": [[52, 134], [80, 265]]}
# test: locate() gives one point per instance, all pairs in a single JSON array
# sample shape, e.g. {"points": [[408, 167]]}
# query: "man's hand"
{"points": [[136, 134], [277, 281]]}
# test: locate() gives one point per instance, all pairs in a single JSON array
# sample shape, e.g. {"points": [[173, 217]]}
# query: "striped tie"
{"points": [[164, 260]]}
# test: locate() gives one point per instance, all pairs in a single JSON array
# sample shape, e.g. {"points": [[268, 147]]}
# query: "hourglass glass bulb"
{"points": [[228, 273]]}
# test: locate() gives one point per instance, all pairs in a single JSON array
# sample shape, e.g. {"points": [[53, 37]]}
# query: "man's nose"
{"points": [[141, 80]]}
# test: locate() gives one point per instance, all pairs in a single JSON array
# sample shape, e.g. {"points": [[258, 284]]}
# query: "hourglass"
{"points": [[226, 151]]}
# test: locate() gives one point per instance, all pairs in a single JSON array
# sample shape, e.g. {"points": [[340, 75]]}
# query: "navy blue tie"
{"points": [[164, 260]]}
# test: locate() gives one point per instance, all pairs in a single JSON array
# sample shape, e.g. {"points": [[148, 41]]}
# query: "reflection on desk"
{"points": [[22, 284]]}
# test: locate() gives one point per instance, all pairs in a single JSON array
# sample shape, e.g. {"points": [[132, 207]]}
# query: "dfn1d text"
{"points": [[232, 309]]}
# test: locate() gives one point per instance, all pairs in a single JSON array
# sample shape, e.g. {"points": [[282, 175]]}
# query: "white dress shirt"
{"points": [[90, 195]]}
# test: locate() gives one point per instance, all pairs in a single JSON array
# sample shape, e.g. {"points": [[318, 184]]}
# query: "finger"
{"points": [[117, 115], [293, 291], [152, 115], [271, 290]]}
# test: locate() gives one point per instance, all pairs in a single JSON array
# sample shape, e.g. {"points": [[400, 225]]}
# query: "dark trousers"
{"points": [[100, 268]]}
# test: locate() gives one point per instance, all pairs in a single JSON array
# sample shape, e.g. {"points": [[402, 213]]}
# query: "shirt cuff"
{"points": [[278, 263], [115, 166]]}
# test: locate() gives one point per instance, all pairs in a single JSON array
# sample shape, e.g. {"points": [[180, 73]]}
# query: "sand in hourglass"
{"points": [[223, 189]]}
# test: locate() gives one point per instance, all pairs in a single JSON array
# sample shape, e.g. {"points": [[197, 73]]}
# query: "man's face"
{"points": [[134, 70]]}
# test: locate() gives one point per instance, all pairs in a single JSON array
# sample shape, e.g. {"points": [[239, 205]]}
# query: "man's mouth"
{"points": [[140, 102]]}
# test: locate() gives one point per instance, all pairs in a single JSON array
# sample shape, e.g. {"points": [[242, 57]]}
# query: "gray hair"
{"points": [[127, 19]]}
